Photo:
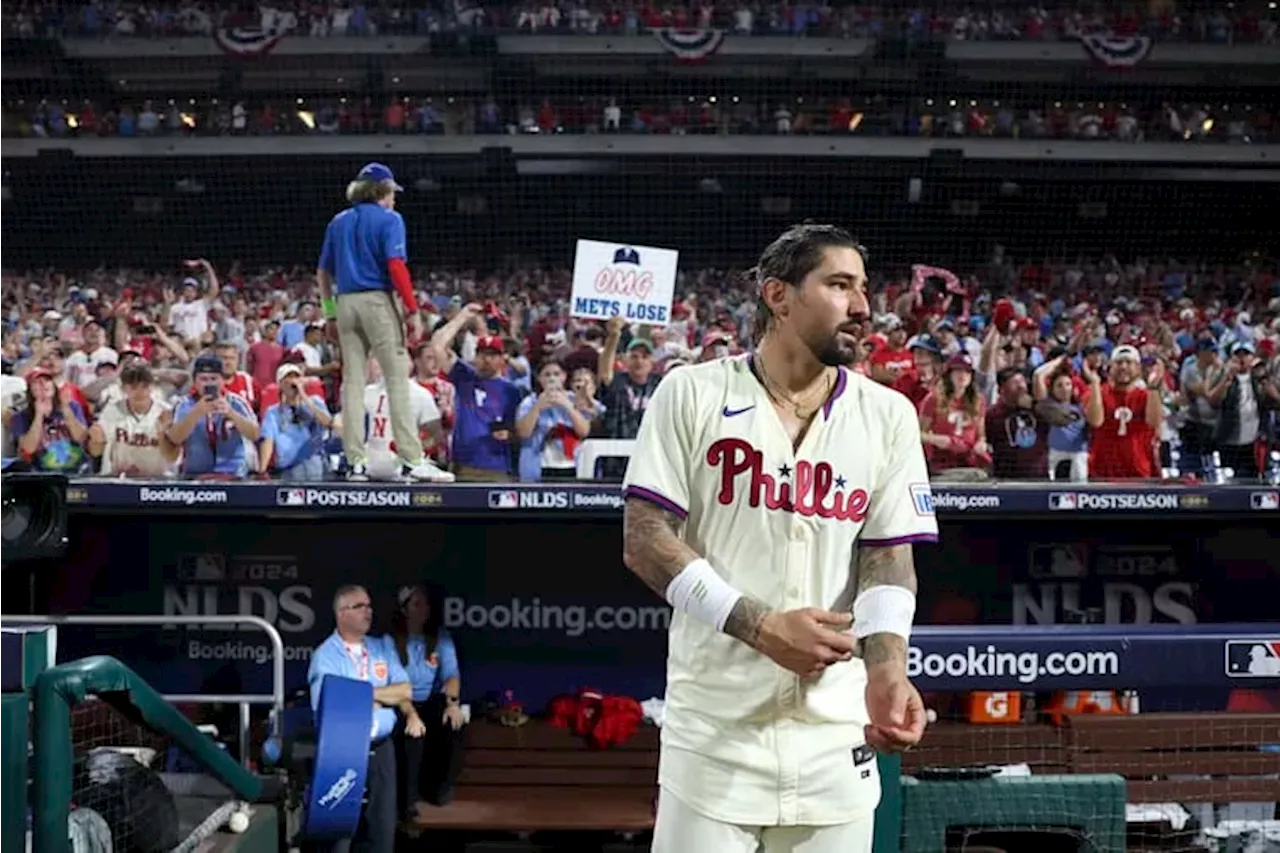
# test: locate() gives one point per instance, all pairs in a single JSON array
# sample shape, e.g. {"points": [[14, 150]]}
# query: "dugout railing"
{"points": [[243, 701], [58, 690]]}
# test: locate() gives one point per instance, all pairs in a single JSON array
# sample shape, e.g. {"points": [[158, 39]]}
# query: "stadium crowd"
{"points": [[1162, 19], [878, 116], [1068, 369]]}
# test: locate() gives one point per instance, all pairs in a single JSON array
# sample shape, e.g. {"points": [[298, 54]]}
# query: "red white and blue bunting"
{"points": [[690, 45], [1116, 51], [246, 41]]}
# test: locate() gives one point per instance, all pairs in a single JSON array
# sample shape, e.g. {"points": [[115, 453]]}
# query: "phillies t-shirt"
{"points": [[1019, 443], [481, 405], [1122, 447], [952, 420]]}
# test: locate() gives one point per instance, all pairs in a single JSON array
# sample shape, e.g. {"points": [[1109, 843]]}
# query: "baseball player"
{"points": [[773, 500]]}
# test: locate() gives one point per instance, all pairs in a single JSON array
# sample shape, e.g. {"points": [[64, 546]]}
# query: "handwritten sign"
{"points": [[613, 279]]}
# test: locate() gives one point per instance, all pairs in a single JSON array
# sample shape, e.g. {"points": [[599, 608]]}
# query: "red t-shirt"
{"points": [[143, 345], [242, 383], [443, 392], [903, 360], [1123, 446], [954, 422], [917, 390]]}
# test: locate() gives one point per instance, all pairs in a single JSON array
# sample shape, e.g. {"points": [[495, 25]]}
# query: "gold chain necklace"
{"points": [[779, 395]]}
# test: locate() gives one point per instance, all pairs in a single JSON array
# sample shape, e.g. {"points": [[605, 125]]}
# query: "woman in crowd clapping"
{"points": [[51, 428]]}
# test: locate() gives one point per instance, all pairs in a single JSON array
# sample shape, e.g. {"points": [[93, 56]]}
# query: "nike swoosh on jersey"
{"points": [[729, 413]]}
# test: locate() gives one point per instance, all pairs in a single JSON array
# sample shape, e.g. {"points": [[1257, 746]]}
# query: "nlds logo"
{"points": [[511, 499]]}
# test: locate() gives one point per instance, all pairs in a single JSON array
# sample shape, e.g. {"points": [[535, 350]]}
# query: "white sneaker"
{"points": [[425, 471], [358, 473]]}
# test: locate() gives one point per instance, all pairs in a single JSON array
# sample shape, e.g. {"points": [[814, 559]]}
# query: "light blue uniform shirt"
{"points": [[215, 446], [333, 657], [426, 673], [297, 434]]}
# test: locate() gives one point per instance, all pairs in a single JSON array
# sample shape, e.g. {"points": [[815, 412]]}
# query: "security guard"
{"points": [[363, 262], [347, 652]]}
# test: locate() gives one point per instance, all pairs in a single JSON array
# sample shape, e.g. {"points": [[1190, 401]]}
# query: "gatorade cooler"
{"points": [[1001, 706]]}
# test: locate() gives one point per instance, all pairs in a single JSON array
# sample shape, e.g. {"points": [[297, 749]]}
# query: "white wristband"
{"points": [[699, 591], [884, 609]]}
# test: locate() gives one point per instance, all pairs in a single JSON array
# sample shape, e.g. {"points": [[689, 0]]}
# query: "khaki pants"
{"points": [[370, 323], [480, 475]]}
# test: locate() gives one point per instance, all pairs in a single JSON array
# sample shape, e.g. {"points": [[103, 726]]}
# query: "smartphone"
{"points": [[146, 329], [210, 391]]}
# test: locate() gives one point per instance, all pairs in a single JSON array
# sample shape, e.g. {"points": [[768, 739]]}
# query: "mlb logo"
{"points": [[1254, 658], [1058, 561], [291, 497], [1062, 500], [504, 500], [206, 568], [922, 498], [1265, 500]]}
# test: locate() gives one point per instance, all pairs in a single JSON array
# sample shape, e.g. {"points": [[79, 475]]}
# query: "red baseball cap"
{"points": [[492, 343]]}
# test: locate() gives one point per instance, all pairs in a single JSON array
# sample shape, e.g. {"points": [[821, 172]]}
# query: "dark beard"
{"points": [[832, 354]]}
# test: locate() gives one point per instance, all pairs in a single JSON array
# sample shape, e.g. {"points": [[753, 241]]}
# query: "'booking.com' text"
{"points": [[990, 662], [572, 620]]}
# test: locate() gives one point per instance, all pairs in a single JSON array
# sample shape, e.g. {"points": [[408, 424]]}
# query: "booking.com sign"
{"points": [[572, 620]]}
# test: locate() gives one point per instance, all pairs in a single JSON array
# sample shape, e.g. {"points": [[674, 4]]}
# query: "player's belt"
{"points": [[344, 726], [863, 754]]}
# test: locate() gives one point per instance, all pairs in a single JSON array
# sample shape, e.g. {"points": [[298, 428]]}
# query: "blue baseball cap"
{"points": [[378, 172]]}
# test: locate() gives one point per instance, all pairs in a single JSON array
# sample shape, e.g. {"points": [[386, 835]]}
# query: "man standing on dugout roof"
{"points": [[361, 269]]}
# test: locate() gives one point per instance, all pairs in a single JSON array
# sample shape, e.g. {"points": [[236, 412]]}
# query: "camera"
{"points": [[210, 391]]}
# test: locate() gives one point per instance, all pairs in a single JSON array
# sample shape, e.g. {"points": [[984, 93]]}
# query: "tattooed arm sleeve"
{"points": [[653, 550]]}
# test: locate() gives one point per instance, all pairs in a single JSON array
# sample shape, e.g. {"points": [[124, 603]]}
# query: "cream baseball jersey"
{"points": [[745, 741], [133, 441]]}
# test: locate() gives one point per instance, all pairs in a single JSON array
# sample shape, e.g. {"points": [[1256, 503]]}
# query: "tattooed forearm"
{"points": [[653, 550], [893, 565], [651, 546], [746, 619]]}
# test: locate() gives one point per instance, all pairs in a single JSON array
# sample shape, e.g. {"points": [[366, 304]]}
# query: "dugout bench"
{"points": [[541, 778], [538, 777]]}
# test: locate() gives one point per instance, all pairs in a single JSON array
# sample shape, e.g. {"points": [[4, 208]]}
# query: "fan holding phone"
{"points": [[212, 425]]}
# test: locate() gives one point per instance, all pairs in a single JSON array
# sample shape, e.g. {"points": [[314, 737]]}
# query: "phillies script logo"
{"points": [[814, 489], [629, 284], [136, 439]]}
